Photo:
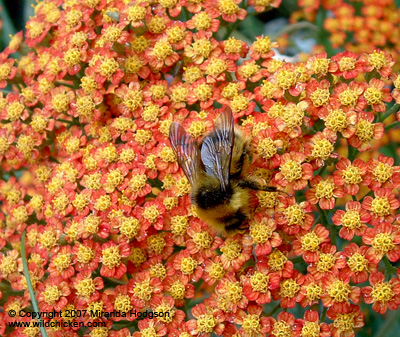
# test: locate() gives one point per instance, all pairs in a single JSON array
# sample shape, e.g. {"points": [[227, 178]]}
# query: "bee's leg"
{"points": [[254, 185]]}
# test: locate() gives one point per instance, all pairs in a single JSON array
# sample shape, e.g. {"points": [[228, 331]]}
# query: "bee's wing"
{"points": [[216, 149], [187, 151]]}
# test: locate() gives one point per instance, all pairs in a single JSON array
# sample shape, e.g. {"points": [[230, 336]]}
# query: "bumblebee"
{"points": [[218, 171]]}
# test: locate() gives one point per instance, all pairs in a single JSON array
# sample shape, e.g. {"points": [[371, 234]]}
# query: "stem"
{"points": [[352, 152], [393, 125], [29, 283], [274, 310], [388, 113], [323, 315], [324, 218]]}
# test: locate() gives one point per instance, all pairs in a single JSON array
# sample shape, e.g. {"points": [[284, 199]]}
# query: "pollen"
{"points": [[261, 232], [206, 323], [259, 282], [110, 154], [202, 21], [295, 215], [36, 202], [203, 92], [262, 45], [111, 257], [357, 263], [292, 170], [122, 303], [192, 74], [166, 314], [157, 25], [170, 203], [156, 243], [112, 34], [78, 39], [324, 190], [336, 120], [217, 270], [20, 214], [151, 213], [339, 291], [179, 94], [167, 154], [382, 292], [38, 123], [277, 260], [282, 329], [377, 59], [143, 290], [286, 79], [61, 202], [158, 270], [8, 265], [351, 219], [233, 45], [51, 294], [85, 254], [364, 130], [85, 106], [5, 70], [347, 63], [230, 91], [73, 17], [91, 224], [348, 98], [251, 325], [15, 111], [323, 149], [177, 290], [380, 206], [320, 97], [162, 49], [314, 292], [202, 47], [25, 145], [239, 103], [320, 66], [103, 203], [129, 227], [352, 175], [266, 148], [197, 129], [382, 172], [289, 288], [137, 182], [92, 181], [216, 67], [136, 13], [249, 69], [72, 145], [188, 265], [88, 84], [228, 7], [62, 261], [137, 256], [383, 243], [232, 249], [72, 57], [203, 240], [344, 322], [373, 96], [143, 136], [310, 242], [325, 262], [293, 116], [175, 34], [179, 224], [108, 68]]}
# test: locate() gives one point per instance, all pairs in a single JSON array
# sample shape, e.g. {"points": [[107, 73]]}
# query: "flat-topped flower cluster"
{"points": [[89, 94]]}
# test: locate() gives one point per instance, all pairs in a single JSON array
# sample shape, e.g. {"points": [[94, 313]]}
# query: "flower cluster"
{"points": [[357, 26], [89, 175]]}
